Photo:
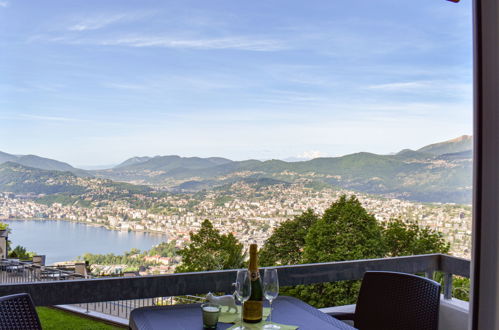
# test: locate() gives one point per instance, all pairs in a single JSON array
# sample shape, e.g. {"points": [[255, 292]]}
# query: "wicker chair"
{"points": [[17, 311], [395, 301]]}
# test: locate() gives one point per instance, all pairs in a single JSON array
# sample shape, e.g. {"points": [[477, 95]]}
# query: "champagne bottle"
{"points": [[253, 307]]}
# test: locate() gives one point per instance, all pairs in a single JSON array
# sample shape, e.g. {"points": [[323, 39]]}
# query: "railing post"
{"points": [[447, 286]]}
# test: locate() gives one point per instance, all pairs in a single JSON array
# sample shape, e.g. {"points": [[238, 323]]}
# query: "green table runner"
{"points": [[235, 317]]}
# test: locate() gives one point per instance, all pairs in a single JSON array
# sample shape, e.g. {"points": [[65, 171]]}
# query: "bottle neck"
{"points": [[253, 267]]}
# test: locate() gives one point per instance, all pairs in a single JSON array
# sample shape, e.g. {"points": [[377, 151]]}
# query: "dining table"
{"points": [[285, 310]]}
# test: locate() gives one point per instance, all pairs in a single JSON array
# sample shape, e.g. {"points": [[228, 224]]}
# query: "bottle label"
{"points": [[252, 311]]}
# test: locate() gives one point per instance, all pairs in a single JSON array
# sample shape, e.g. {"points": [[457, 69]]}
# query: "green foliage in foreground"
{"points": [[285, 245], [345, 232], [460, 286], [403, 239], [209, 250], [53, 319]]}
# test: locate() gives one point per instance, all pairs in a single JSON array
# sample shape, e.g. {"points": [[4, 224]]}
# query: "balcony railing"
{"points": [[15, 271], [79, 291]]}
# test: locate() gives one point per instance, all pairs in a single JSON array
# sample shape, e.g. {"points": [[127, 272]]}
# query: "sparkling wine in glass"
{"points": [[243, 291], [270, 291]]}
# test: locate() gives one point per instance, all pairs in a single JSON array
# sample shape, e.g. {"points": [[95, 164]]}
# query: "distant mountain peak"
{"points": [[133, 161], [459, 144], [170, 162], [461, 138]]}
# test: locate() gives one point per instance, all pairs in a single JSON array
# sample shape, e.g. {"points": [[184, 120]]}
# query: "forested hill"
{"points": [[19, 179], [439, 172], [40, 163]]}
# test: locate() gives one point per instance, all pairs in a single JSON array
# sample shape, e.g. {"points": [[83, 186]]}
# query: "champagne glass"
{"points": [[243, 291], [270, 291]]}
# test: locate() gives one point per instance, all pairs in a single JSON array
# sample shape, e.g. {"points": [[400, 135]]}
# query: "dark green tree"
{"points": [[285, 246], [345, 232], [209, 250], [402, 239], [165, 249], [20, 252]]}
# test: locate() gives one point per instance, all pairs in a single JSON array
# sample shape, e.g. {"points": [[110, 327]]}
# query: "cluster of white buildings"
{"points": [[248, 211]]}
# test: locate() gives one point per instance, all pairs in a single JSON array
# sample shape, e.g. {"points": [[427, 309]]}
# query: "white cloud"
{"points": [[4, 4], [234, 42], [239, 42], [401, 86], [439, 87]]}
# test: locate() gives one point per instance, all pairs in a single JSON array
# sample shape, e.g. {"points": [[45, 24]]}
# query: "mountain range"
{"points": [[439, 172], [40, 162]]}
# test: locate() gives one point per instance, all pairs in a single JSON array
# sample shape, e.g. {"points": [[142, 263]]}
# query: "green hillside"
{"points": [[17, 178], [439, 172], [21, 179], [41, 163]]}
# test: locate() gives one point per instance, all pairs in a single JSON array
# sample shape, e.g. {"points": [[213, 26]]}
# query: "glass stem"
{"points": [[270, 316], [242, 306]]}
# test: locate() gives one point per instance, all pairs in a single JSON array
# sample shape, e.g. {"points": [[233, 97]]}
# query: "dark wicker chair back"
{"points": [[17, 311], [397, 301]]}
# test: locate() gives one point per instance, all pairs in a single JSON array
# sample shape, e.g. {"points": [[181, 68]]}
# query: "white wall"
{"points": [[453, 314]]}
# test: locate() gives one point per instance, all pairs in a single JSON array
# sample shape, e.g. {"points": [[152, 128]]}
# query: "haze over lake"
{"points": [[64, 240]]}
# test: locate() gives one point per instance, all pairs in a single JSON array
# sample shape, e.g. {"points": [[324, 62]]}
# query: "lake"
{"points": [[64, 240]]}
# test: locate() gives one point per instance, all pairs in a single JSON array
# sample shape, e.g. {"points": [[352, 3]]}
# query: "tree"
{"points": [[345, 232], [164, 249], [285, 246], [20, 252], [209, 250], [402, 239], [133, 251]]}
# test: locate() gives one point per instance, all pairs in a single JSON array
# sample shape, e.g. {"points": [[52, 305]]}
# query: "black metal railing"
{"points": [[144, 287], [16, 271]]}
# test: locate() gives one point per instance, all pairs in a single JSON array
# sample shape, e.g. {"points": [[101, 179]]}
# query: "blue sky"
{"points": [[97, 82]]}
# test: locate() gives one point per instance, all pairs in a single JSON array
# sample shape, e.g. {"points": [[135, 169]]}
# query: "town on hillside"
{"points": [[247, 210]]}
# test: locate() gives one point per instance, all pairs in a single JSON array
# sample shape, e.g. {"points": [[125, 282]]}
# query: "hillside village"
{"points": [[172, 195], [248, 211]]}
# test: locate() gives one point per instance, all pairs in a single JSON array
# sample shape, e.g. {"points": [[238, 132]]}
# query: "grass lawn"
{"points": [[57, 319]]}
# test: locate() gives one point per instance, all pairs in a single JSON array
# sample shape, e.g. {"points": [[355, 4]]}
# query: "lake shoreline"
{"points": [[65, 240], [90, 224]]}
